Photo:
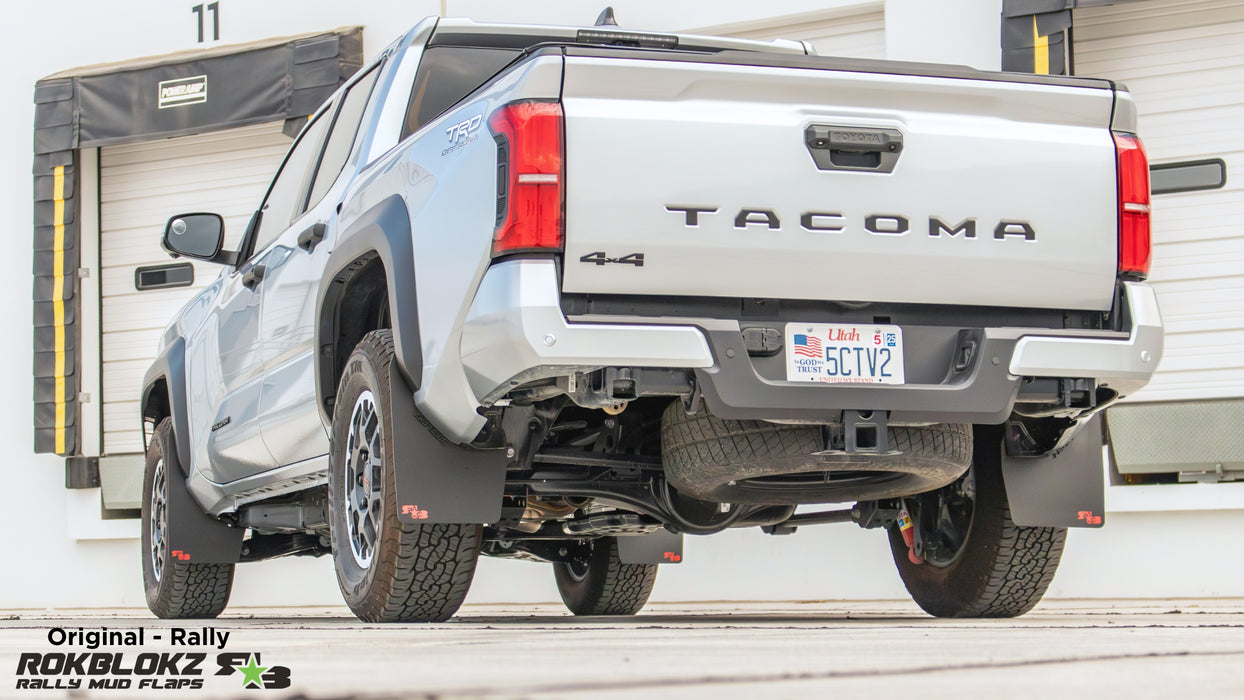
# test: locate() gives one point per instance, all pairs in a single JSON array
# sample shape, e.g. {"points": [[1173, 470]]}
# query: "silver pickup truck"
{"points": [[567, 294]]}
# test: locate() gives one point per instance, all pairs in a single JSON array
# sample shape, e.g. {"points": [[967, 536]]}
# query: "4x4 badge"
{"points": [[600, 258]]}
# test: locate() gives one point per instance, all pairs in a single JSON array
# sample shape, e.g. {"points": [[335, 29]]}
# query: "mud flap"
{"points": [[1066, 489], [437, 481], [660, 547], [193, 535]]}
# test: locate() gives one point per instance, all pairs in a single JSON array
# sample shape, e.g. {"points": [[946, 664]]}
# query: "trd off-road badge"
{"points": [[462, 133], [183, 91]]}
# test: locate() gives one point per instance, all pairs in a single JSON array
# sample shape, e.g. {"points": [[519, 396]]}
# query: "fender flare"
{"points": [[170, 366], [381, 232]]}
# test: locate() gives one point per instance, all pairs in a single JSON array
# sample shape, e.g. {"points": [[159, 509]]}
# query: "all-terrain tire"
{"points": [[603, 585], [1002, 569], [751, 461], [415, 573], [175, 589]]}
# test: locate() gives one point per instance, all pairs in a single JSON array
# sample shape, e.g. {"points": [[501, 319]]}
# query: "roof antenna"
{"points": [[606, 18]]}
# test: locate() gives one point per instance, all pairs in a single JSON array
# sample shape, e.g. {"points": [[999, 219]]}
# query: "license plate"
{"points": [[842, 353]]}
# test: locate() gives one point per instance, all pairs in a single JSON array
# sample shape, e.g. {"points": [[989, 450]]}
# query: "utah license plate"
{"points": [[842, 353]]}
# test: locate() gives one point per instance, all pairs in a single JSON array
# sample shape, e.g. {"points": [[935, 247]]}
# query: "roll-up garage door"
{"points": [[141, 185], [852, 33], [1183, 60]]}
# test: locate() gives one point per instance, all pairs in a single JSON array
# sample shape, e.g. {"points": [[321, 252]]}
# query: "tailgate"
{"points": [[1000, 194]]}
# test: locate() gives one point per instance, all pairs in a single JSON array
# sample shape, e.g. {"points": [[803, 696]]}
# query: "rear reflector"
{"points": [[1135, 245], [529, 177]]}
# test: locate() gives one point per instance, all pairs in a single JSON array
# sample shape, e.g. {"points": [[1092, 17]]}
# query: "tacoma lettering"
{"points": [[876, 224], [967, 227]]}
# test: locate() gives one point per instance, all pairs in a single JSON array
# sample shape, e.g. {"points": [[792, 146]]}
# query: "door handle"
{"points": [[854, 148], [309, 239], [253, 276]]}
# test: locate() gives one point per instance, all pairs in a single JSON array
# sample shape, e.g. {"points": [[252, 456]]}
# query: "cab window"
{"points": [[286, 195], [446, 75], [341, 137]]}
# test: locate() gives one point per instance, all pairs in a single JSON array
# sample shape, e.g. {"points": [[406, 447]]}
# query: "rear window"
{"points": [[446, 75]]}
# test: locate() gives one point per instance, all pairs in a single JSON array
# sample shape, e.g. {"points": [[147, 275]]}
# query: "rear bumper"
{"points": [[733, 388], [985, 392], [1126, 365], [516, 332]]}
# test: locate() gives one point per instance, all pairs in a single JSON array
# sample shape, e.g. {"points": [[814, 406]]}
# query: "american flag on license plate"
{"points": [[808, 345]]}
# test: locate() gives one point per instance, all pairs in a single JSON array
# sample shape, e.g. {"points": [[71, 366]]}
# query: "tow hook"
{"points": [[909, 534]]}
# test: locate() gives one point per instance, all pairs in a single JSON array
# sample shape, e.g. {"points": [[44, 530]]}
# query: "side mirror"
{"points": [[198, 236]]}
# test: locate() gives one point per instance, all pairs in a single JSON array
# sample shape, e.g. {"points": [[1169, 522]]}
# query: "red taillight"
{"points": [[529, 177], [1135, 246]]}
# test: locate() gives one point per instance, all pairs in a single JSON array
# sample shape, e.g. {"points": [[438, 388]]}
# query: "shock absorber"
{"points": [[908, 530]]}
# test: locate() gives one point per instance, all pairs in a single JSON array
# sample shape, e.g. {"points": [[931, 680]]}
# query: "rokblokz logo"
{"points": [[254, 676], [94, 669]]}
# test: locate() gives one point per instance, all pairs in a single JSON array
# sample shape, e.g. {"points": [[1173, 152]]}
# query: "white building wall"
{"points": [[967, 32], [59, 554]]}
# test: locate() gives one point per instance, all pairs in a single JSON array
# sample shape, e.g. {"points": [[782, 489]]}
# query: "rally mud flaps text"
{"points": [[68, 667]]}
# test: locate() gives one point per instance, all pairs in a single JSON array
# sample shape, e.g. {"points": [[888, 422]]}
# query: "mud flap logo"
{"points": [[414, 512], [1088, 517]]}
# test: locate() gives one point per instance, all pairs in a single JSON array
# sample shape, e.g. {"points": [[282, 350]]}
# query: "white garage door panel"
{"points": [[1223, 257], [1193, 386], [131, 345], [120, 428], [1127, 22], [1190, 221], [1200, 304], [141, 185], [1200, 92], [1199, 132], [151, 310], [149, 187], [1183, 60], [854, 36], [122, 375], [141, 246], [855, 33]]}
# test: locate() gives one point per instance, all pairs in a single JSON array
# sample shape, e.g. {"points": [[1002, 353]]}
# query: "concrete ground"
{"points": [[1090, 649]]}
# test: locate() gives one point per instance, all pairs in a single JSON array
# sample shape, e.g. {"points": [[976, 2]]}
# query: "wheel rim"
{"points": [[577, 569], [946, 517], [159, 519], [364, 470]]}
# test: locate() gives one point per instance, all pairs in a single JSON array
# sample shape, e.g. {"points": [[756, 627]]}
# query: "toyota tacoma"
{"points": [[569, 294]]}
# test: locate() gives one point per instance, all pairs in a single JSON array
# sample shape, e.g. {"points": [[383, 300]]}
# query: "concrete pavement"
{"points": [[1090, 649]]}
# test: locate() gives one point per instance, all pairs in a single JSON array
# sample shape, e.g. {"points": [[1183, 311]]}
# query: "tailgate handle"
{"points": [[854, 148]]}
